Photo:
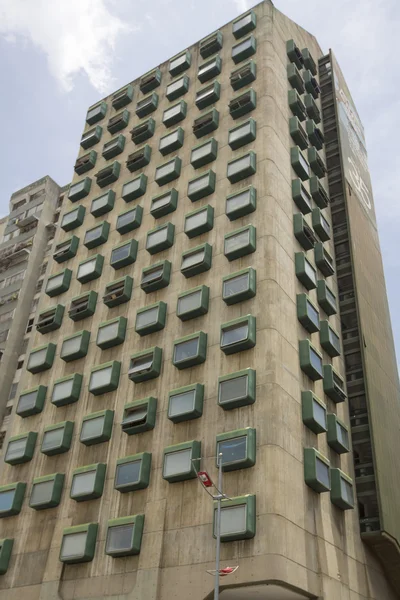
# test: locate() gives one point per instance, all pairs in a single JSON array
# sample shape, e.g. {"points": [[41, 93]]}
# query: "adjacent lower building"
{"points": [[194, 307]]}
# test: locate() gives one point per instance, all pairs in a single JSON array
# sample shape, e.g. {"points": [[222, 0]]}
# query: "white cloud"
{"points": [[75, 35]]}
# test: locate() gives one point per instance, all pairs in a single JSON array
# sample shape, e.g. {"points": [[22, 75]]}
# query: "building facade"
{"points": [[194, 308]]}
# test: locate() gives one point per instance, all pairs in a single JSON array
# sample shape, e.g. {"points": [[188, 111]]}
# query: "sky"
{"points": [[59, 57]]}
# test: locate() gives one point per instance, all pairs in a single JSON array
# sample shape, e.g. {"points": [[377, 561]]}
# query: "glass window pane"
{"points": [[201, 152], [153, 275], [83, 483], [239, 132], [238, 201], [181, 403], [235, 334], [241, 47], [207, 67], [346, 490], [160, 202], [233, 519], [120, 253], [126, 218], [73, 544], [244, 21], [342, 435], [177, 62], [53, 438], [136, 416], [193, 259], [196, 220], [198, 184], [72, 345], [319, 413], [120, 537], [100, 377], [189, 302], [86, 268], [6, 499], [316, 361], [16, 448], [55, 282], [62, 390], [236, 285], [70, 217], [177, 462], [175, 86], [238, 165], [330, 297], [172, 112], [334, 339], [186, 350], [237, 241], [41, 492], [312, 314], [142, 364], [92, 234], [165, 169], [107, 333], [233, 389], [147, 317], [37, 358], [310, 271], [204, 93], [27, 401], [233, 450], [168, 140], [92, 428], [128, 473], [304, 163], [322, 471], [156, 237]]}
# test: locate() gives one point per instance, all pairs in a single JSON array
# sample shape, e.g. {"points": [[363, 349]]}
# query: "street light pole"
{"points": [[218, 526]]}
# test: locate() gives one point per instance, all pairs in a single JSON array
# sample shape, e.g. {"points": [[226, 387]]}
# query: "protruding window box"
{"points": [[46, 491], [66, 250], [299, 163], [177, 88], [6, 546], [297, 133], [307, 313], [237, 389], [241, 203], [73, 219], [150, 81], [114, 147], [75, 346], [330, 340], [91, 137], [142, 132], [204, 153], [313, 412], [193, 303], [202, 186], [186, 403], [197, 260], [133, 473], [338, 435], [31, 402], [243, 104], [50, 319], [238, 449], [118, 122], [238, 335], [97, 235], [103, 204], [190, 350], [168, 171], [96, 113], [20, 448], [145, 365], [294, 54], [244, 49], [79, 543], [209, 69], [11, 498], [139, 416], [172, 141], [305, 272], [83, 306], [316, 162], [244, 24], [208, 95], [312, 109], [139, 159], [124, 254], [135, 188], [242, 167], [314, 134], [161, 238], [310, 360], [118, 291], [124, 536], [104, 378], [67, 390], [57, 438], [323, 260], [108, 175], [301, 197], [122, 97], [326, 298], [238, 518], [156, 276], [147, 105], [318, 193], [179, 63], [175, 114], [239, 286], [164, 203], [181, 461], [206, 123], [316, 470], [311, 84], [85, 163], [88, 482], [321, 225], [79, 190], [151, 318], [211, 44], [296, 105], [199, 221], [309, 62], [90, 269], [242, 134], [295, 78], [129, 220], [97, 427], [111, 333], [342, 493], [240, 242], [244, 75], [41, 358], [303, 232]]}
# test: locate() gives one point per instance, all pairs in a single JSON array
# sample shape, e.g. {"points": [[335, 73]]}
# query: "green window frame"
{"points": [[326, 298], [96, 427], [321, 225], [90, 269], [151, 318], [303, 233], [294, 77], [329, 339], [242, 76], [67, 390], [168, 171], [135, 188], [334, 386], [180, 63], [147, 105], [113, 147], [338, 435], [139, 159], [190, 350], [177, 88], [199, 221], [91, 137], [238, 334], [240, 242], [124, 536], [299, 164], [237, 389], [88, 482], [129, 220], [186, 403], [96, 235], [244, 49], [242, 134], [208, 95], [79, 190], [75, 346], [41, 358], [139, 416], [313, 412], [160, 238], [73, 219], [296, 105], [342, 493], [316, 471], [301, 196], [318, 193], [311, 84], [174, 114], [315, 135], [241, 168], [243, 508], [298, 133], [104, 378], [236, 449], [243, 104], [305, 272], [133, 472], [66, 249], [150, 81], [316, 163], [206, 123], [244, 24], [108, 175], [11, 498], [118, 291], [307, 313], [46, 491], [57, 438], [118, 121], [85, 163], [241, 203], [309, 62], [201, 186], [209, 69], [143, 131], [294, 54], [310, 360], [122, 97], [193, 303], [31, 402], [6, 546], [239, 286], [85, 537], [83, 306], [312, 109], [211, 44], [197, 260], [181, 461], [156, 276], [172, 141], [123, 254], [145, 365], [50, 319], [164, 203], [96, 113], [204, 153], [323, 260], [20, 448], [103, 204], [111, 333]]}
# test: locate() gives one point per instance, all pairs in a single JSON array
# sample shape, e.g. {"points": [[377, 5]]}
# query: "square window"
{"points": [[239, 286], [244, 24], [298, 133], [310, 360], [177, 88], [135, 188], [241, 203], [313, 412], [190, 350], [150, 81], [46, 491], [118, 291], [156, 276], [174, 114], [151, 318], [139, 416], [242, 134], [59, 283], [123, 254], [186, 403], [316, 470], [296, 105], [206, 123], [237, 389], [108, 175], [75, 346], [113, 147], [243, 104], [240, 242], [199, 221], [41, 359], [133, 472], [118, 122], [85, 163], [91, 137], [168, 171], [323, 260], [79, 543], [161, 238], [326, 298], [330, 340], [238, 334], [31, 402], [315, 135], [301, 197], [66, 250], [312, 109], [209, 69], [73, 218], [124, 536], [138, 159], [147, 105], [88, 482], [129, 220], [316, 162], [11, 498], [238, 518], [57, 438], [83, 306], [79, 190], [236, 449], [211, 44], [180, 462], [243, 75], [307, 313], [67, 390], [197, 260], [179, 63], [204, 153], [295, 79], [201, 186], [338, 435], [97, 235], [142, 132], [299, 163], [51, 319], [305, 272], [164, 203], [90, 269], [97, 427], [172, 141], [20, 448], [318, 193], [145, 365], [321, 225], [193, 303], [311, 84], [342, 493], [96, 113], [6, 546], [208, 95], [244, 49], [122, 97], [111, 333], [104, 378]]}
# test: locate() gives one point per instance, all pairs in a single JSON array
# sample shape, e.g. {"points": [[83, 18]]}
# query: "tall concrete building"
{"points": [[193, 308]]}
